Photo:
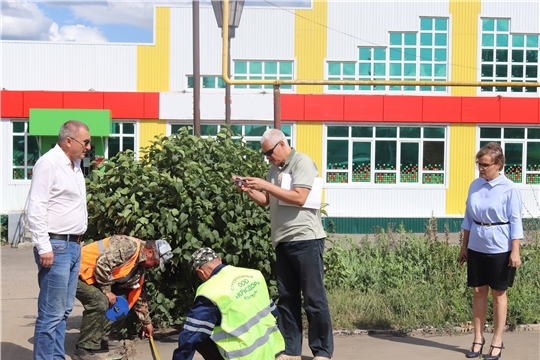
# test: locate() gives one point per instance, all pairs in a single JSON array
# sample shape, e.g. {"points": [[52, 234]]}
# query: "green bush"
{"points": [[399, 280], [181, 190]]}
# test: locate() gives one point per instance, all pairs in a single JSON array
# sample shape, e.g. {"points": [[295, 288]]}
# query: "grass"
{"points": [[401, 281]]}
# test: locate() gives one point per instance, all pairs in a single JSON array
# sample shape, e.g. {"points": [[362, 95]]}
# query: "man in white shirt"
{"points": [[57, 218]]}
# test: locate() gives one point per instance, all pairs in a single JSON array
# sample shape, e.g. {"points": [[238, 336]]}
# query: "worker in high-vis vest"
{"points": [[114, 267], [233, 316]]}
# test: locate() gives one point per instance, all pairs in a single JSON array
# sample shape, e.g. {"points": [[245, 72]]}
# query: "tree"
{"points": [[181, 191]]}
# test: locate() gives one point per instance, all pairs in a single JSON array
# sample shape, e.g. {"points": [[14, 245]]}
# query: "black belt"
{"points": [[489, 224], [68, 237]]}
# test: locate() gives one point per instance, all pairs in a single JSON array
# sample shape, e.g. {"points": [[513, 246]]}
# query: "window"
{"points": [[121, 138], [507, 57], [25, 151], [208, 82], [411, 56], [385, 155], [521, 148], [251, 133], [263, 70]]}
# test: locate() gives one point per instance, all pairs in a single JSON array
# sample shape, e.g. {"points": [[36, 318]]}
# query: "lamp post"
{"points": [[235, 13]]}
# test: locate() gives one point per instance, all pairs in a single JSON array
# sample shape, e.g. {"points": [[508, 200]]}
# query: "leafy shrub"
{"points": [[181, 191]]}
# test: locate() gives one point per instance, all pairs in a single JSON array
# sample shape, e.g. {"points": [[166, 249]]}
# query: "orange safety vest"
{"points": [[89, 256]]}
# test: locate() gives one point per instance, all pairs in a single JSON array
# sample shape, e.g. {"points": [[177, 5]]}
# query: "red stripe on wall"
{"points": [[481, 109], [83, 100], [11, 104], [363, 108], [292, 107], [42, 100], [442, 109], [519, 111], [123, 105], [327, 107], [403, 108], [151, 105]]}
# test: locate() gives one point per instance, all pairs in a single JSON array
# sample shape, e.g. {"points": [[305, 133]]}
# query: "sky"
{"points": [[92, 21]]}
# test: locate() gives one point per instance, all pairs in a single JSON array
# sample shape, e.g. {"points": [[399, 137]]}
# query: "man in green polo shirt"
{"points": [[298, 238]]}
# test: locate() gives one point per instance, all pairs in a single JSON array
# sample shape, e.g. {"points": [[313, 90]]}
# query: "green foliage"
{"points": [[181, 191], [399, 280], [3, 228]]}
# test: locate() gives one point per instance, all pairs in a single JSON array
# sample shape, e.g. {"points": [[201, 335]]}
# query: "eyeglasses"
{"points": [[483, 166], [271, 151], [84, 143]]}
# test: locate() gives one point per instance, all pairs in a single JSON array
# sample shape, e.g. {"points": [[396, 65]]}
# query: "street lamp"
{"points": [[235, 13]]}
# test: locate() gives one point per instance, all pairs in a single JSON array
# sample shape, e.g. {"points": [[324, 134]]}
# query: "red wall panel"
{"points": [[363, 108], [480, 109], [442, 109], [292, 107], [83, 100], [11, 104], [403, 108], [42, 100], [324, 107], [151, 105], [519, 111], [125, 105]]}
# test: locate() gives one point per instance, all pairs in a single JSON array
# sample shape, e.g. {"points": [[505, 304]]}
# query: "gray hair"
{"points": [[274, 136], [70, 129]]}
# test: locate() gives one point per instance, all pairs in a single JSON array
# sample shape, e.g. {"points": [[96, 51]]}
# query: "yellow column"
{"points": [[153, 71], [310, 45]]}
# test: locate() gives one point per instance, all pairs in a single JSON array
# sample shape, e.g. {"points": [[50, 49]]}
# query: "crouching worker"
{"points": [[233, 316], [110, 267]]}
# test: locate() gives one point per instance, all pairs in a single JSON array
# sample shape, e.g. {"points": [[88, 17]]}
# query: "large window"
{"points": [[263, 70], [508, 57], [208, 82], [385, 155], [521, 148], [250, 133], [121, 138], [25, 151], [411, 56]]}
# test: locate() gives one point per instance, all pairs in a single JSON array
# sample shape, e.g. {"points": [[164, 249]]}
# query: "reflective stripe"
{"points": [[101, 247], [198, 329], [248, 350], [244, 328], [200, 322]]}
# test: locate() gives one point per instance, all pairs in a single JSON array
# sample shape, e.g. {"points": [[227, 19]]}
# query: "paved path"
{"points": [[19, 302]]}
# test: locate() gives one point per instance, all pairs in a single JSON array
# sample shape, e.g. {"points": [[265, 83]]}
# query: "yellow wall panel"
{"points": [[309, 141], [153, 61], [310, 45], [150, 128], [462, 167], [464, 44]]}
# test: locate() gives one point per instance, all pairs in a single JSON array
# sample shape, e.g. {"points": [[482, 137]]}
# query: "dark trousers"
{"points": [[94, 326], [300, 271]]}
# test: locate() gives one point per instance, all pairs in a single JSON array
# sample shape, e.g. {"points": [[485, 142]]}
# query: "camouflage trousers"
{"points": [[95, 327]]}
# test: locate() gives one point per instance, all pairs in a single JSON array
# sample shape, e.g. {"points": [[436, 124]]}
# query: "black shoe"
{"points": [[490, 355], [474, 354], [85, 354]]}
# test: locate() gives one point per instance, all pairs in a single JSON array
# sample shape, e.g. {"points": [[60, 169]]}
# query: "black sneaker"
{"points": [[85, 354]]}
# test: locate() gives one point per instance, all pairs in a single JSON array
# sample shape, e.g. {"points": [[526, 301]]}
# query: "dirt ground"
{"points": [[18, 302]]}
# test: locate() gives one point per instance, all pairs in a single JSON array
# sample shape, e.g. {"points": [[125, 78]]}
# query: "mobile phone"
{"points": [[239, 181]]}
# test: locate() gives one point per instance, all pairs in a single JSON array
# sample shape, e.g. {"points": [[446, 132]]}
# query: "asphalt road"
{"points": [[18, 276]]}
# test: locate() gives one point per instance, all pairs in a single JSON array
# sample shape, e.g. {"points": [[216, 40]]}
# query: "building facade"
{"points": [[388, 154]]}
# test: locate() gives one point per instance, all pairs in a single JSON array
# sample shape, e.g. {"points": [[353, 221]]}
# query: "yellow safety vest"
{"points": [[248, 329]]}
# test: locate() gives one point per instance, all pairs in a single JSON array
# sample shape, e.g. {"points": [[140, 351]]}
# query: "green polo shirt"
{"points": [[293, 223]]}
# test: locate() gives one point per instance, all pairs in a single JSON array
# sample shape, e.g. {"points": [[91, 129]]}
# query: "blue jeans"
{"points": [[300, 267], [57, 288]]}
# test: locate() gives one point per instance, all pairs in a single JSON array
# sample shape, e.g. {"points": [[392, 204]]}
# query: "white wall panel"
{"points": [[68, 66], [13, 194], [524, 15], [531, 201], [367, 23], [248, 106], [264, 33], [385, 202]]}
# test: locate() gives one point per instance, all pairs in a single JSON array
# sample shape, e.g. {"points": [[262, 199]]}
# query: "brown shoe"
{"points": [[289, 357]]}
